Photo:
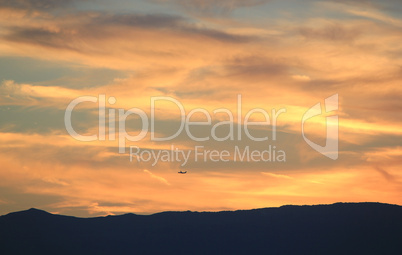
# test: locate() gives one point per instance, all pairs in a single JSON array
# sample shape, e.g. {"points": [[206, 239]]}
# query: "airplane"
{"points": [[181, 172]]}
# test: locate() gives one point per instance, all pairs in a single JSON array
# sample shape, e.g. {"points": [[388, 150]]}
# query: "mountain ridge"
{"points": [[340, 228], [38, 211]]}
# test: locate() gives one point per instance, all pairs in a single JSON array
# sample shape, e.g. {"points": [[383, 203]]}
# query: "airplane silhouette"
{"points": [[181, 172]]}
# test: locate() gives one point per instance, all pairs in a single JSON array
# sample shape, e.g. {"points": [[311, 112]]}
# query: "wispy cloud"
{"points": [[281, 176], [159, 178]]}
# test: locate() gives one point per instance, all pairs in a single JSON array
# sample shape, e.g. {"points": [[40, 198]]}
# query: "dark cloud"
{"points": [[76, 36], [218, 35], [367, 2], [385, 174], [201, 82], [393, 7], [42, 37], [254, 65], [33, 120], [256, 68], [162, 21], [35, 4], [333, 32], [140, 20], [54, 73], [210, 7], [354, 1]]}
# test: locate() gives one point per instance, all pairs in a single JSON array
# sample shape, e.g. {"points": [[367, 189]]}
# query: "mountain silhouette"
{"points": [[341, 228]]}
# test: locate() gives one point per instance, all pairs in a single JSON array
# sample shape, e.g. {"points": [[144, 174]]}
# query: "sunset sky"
{"points": [[275, 54]]}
